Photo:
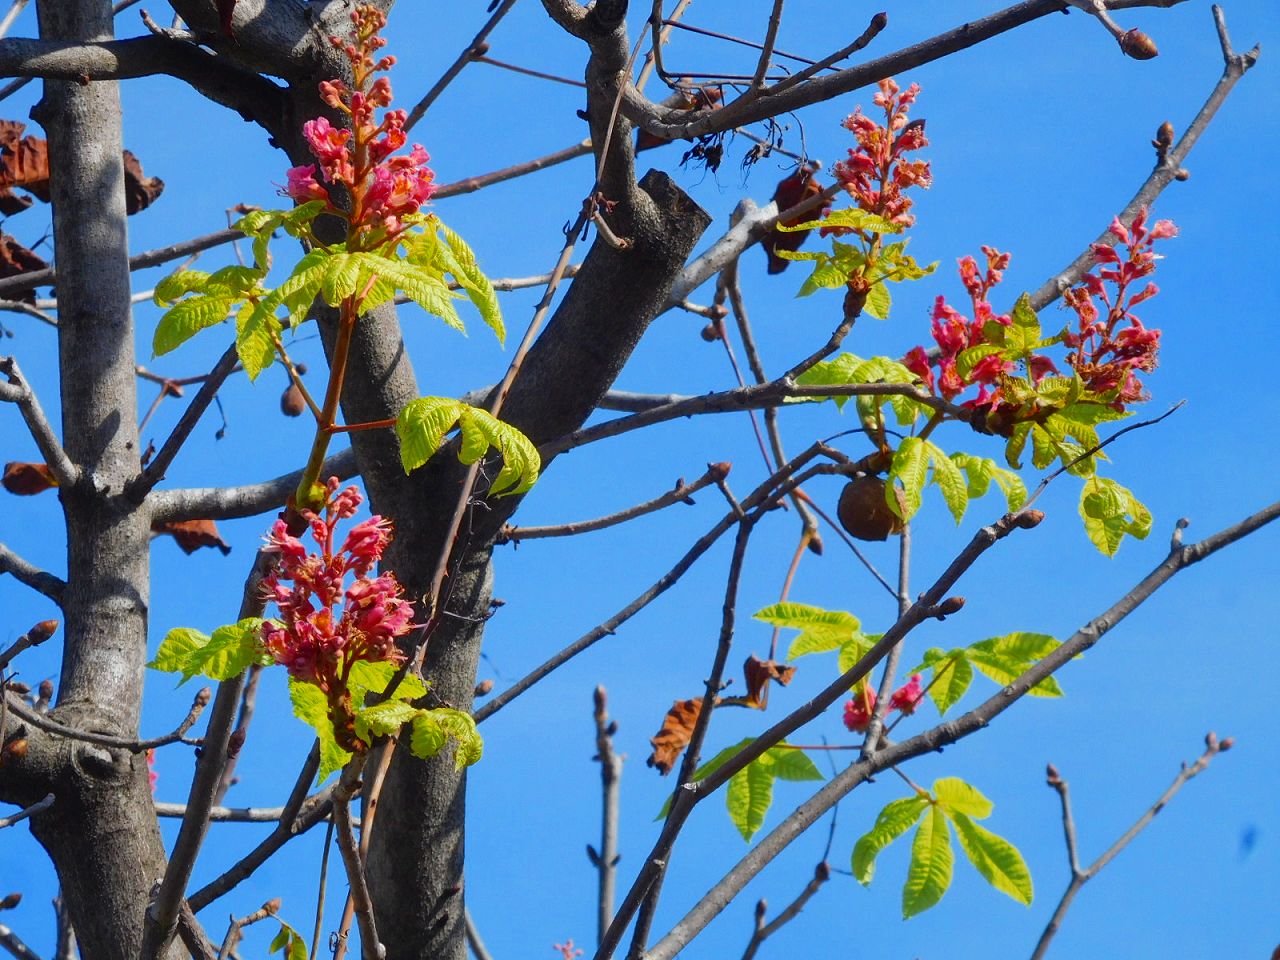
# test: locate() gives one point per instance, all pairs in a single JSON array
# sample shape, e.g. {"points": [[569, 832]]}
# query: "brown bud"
{"points": [[720, 469], [815, 544], [762, 909], [1164, 136], [291, 402], [822, 872], [17, 749], [481, 49], [301, 368], [1051, 774], [45, 690], [710, 333], [863, 511], [880, 21], [718, 311], [950, 605], [11, 901], [1138, 45], [484, 687], [1226, 744], [272, 907], [235, 742], [42, 631], [1182, 175], [203, 697], [1028, 519]]}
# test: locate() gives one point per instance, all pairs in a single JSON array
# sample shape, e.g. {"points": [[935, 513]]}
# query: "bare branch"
{"points": [[268, 909], [766, 49], [606, 859], [1080, 877], [680, 493], [1168, 165], [13, 943], [30, 811], [41, 722], [19, 392], [763, 931], [223, 503], [943, 734], [478, 949], [370, 947], [213, 381], [37, 635], [150, 258]]}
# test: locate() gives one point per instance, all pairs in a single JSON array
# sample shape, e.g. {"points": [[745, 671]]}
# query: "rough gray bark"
{"points": [[101, 832]]}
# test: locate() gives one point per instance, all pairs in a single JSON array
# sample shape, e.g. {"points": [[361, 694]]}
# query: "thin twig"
{"points": [[606, 859], [30, 575], [320, 895], [18, 391], [14, 944], [478, 949], [30, 811], [178, 734], [1079, 877], [875, 727], [370, 946], [766, 49], [763, 931], [680, 493], [268, 909]]}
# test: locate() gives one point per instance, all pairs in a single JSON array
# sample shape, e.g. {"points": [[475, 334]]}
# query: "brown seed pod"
{"points": [[291, 402], [863, 511], [1138, 45]]}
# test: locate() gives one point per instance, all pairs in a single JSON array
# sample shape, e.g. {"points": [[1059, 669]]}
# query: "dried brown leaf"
{"points": [[27, 479], [191, 535], [139, 191], [797, 188], [758, 673], [673, 736]]}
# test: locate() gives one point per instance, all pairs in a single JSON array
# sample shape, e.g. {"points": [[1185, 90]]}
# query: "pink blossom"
{"points": [[908, 696]]}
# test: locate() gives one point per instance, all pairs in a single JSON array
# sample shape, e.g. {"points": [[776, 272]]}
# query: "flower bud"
{"points": [[1226, 744], [1138, 45], [1028, 519], [484, 687], [11, 901], [42, 631], [762, 909], [1051, 775], [950, 605], [1164, 136]]}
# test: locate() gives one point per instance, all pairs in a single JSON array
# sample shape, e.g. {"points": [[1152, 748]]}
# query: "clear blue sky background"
{"points": [[1037, 138]]}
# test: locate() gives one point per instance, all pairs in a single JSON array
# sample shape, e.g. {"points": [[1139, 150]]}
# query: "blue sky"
{"points": [[1037, 138]]}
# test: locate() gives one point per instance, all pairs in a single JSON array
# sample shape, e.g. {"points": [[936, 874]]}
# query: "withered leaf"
{"points": [[27, 479], [674, 735], [191, 535], [139, 191], [758, 673], [16, 259], [797, 188]]}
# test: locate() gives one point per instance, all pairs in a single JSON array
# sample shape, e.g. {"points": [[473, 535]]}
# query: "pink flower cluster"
{"points": [[1106, 351], [877, 173], [383, 188], [1109, 351], [315, 639], [859, 710]]}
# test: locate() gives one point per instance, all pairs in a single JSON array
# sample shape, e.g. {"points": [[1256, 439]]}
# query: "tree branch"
{"points": [[763, 931], [30, 811], [943, 734], [18, 391], [32, 576], [13, 943], [133, 745], [606, 859]]}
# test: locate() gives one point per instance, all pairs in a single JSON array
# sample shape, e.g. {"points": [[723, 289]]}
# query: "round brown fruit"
{"points": [[863, 511]]}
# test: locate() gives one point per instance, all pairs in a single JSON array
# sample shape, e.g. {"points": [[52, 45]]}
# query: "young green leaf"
{"points": [[175, 651], [372, 677], [929, 875], [461, 728], [188, 317], [460, 262], [894, 820], [750, 794], [851, 217], [311, 707], [952, 676], [230, 651], [256, 333], [793, 765], [909, 469], [384, 719], [1110, 511], [289, 942], [423, 424], [955, 491], [427, 737], [995, 858], [954, 794], [878, 302], [820, 630]]}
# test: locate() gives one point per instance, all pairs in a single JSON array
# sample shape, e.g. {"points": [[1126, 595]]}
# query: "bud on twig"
{"points": [[1226, 744], [11, 901], [822, 872], [1028, 519], [1134, 43], [235, 742], [483, 688], [762, 908], [42, 631], [949, 606], [1051, 775], [710, 333]]}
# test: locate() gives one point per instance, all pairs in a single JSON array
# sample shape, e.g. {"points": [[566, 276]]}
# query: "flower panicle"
{"points": [[859, 711], [325, 624], [361, 157]]}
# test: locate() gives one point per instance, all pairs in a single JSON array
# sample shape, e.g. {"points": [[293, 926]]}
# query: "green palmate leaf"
{"points": [[897, 265], [289, 942], [750, 795], [947, 475], [708, 768], [995, 858], [366, 678], [256, 333], [175, 651], [423, 424], [827, 275], [820, 630], [384, 719], [894, 820], [1006, 658], [341, 278], [178, 284], [311, 707], [461, 728], [878, 302], [427, 737], [1110, 511], [956, 795], [230, 651], [420, 284], [460, 262], [952, 676], [909, 469], [852, 217], [1023, 335], [793, 765], [929, 875], [188, 317], [854, 649]]}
